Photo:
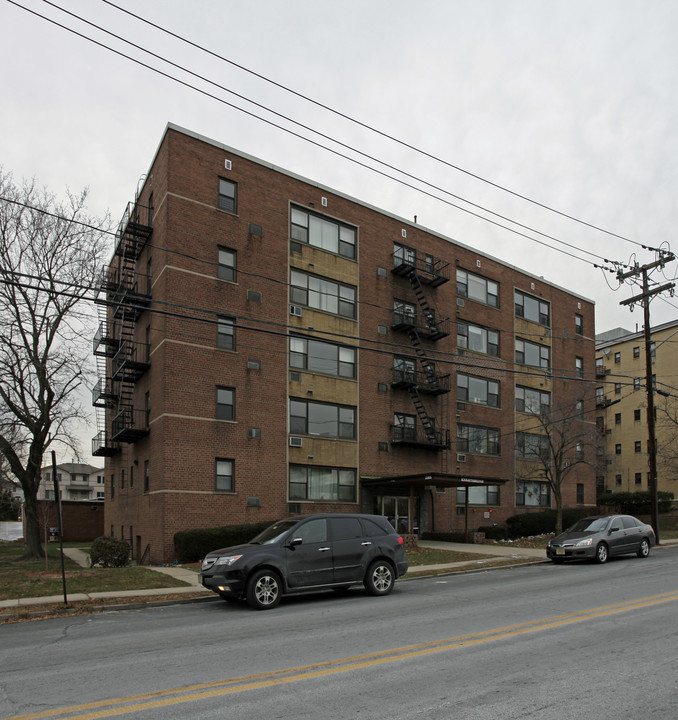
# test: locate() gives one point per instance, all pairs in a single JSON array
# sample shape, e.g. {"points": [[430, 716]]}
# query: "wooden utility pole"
{"points": [[644, 300]]}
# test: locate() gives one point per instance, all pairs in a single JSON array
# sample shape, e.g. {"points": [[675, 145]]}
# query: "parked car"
{"points": [[312, 552], [601, 537]]}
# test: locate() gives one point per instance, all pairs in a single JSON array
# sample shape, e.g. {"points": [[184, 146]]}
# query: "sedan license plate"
{"points": [[560, 551]]}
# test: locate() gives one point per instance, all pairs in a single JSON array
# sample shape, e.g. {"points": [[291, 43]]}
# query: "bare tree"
{"points": [[666, 429], [553, 445], [51, 254]]}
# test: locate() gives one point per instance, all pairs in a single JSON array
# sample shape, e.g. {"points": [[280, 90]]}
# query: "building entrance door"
{"points": [[396, 509]]}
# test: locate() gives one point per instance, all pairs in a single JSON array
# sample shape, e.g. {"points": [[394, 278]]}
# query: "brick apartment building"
{"points": [[269, 346]]}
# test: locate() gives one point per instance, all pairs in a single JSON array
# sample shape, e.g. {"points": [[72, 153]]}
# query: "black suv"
{"points": [[312, 552]]}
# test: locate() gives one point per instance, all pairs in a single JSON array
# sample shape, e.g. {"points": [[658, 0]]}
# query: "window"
{"points": [[404, 312], [636, 416], [478, 440], [579, 367], [532, 401], [477, 288], [617, 358], [617, 388], [224, 475], [403, 255], [226, 265], [226, 333], [531, 308], [636, 352], [579, 324], [483, 495], [131, 476], [324, 419], [322, 483], [322, 357], [532, 446], [227, 195], [617, 480], [636, 383], [617, 449], [404, 427], [638, 479], [533, 494], [580, 493], [322, 233], [112, 486], [617, 418], [478, 339], [322, 294], [579, 451], [122, 479], [529, 353], [638, 446], [477, 390], [404, 370], [225, 403], [147, 475]]}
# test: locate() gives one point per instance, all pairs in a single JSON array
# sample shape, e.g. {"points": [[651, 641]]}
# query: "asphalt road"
{"points": [[542, 641]]}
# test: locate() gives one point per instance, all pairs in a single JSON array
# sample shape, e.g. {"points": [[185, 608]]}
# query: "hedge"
{"points": [[192, 545], [109, 552], [544, 522], [636, 503]]}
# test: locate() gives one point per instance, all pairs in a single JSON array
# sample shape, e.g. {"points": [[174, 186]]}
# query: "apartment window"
{"points": [[320, 232], [147, 475], [224, 475], [225, 403], [478, 440], [483, 495], [617, 418], [579, 367], [477, 288], [618, 480], [131, 476], [322, 357], [638, 446], [404, 427], [112, 486], [533, 494], [324, 419], [322, 483], [404, 370], [532, 446], [636, 352], [579, 451], [617, 358], [617, 388], [579, 324], [638, 479], [122, 479], [532, 401], [636, 383], [477, 390], [226, 264], [636, 416], [226, 333], [529, 353], [617, 449], [227, 195], [403, 255], [580, 493], [531, 308], [404, 312], [478, 339], [321, 294]]}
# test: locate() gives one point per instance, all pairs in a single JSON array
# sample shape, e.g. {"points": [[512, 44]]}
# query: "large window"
{"points": [[529, 353], [533, 494], [226, 264], [478, 495], [531, 308], [322, 357], [225, 403], [322, 294], [404, 427], [322, 483], [224, 475], [477, 288], [322, 233], [227, 195], [477, 390], [532, 446], [532, 401], [324, 419], [478, 440], [478, 339], [226, 333], [404, 312]]}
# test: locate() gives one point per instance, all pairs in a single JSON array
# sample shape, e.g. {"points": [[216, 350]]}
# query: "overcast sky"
{"points": [[572, 104]]}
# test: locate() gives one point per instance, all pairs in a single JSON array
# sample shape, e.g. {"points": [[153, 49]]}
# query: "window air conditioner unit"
{"points": [[295, 310], [461, 458], [295, 442]]}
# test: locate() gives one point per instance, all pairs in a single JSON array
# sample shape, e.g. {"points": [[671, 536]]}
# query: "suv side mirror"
{"points": [[295, 541]]}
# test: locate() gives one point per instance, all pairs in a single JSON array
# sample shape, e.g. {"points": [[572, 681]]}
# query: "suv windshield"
{"points": [[589, 525], [273, 533]]}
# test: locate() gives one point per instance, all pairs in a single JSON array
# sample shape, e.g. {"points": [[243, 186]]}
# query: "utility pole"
{"points": [[644, 299]]}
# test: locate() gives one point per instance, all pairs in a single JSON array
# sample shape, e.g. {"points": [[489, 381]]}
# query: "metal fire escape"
{"points": [[123, 295], [418, 324]]}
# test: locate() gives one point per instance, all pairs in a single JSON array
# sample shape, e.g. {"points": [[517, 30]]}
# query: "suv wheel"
{"points": [[264, 590], [379, 578]]}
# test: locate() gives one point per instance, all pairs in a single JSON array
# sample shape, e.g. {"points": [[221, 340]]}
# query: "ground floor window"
{"points": [[397, 510], [482, 495], [533, 494], [322, 483]]}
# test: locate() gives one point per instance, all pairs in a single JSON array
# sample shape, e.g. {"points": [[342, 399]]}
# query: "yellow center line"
{"points": [[202, 691]]}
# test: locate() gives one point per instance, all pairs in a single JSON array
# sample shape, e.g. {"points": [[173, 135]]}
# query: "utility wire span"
{"points": [[318, 144]]}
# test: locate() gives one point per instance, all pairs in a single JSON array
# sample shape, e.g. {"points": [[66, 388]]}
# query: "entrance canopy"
{"points": [[426, 481]]}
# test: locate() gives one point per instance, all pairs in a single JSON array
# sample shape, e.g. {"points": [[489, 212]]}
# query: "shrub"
{"points": [[495, 532], [109, 552], [543, 523], [636, 503], [193, 545]]}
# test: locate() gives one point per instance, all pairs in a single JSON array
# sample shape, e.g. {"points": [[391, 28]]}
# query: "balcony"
{"points": [[426, 326], [105, 344], [131, 361], [129, 425], [430, 270], [104, 393], [133, 231], [130, 294], [103, 446], [404, 436], [601, 371], [430, 383]]}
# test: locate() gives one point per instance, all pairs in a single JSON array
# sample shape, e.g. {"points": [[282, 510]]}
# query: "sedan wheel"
{"points": [[379, 578], [263, 590], [644, 549], [602, 553]]}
